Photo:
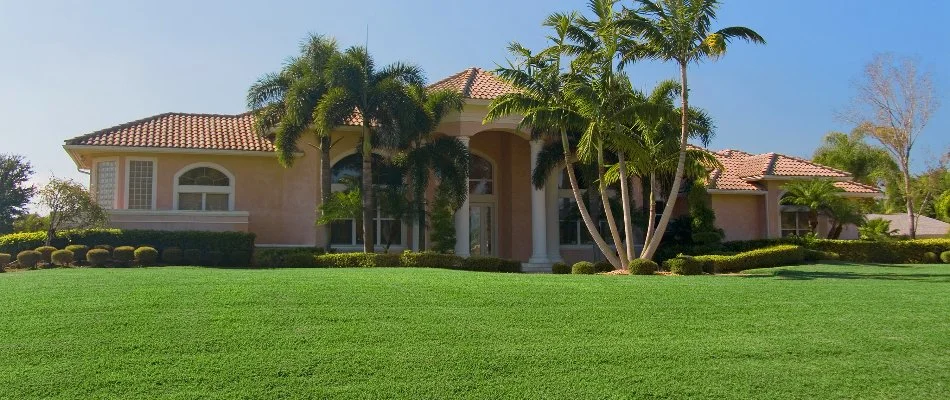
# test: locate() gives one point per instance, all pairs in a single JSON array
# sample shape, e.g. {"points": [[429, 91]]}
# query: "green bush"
{"points": [[560, 268], [277, 258], [105, 247], [46, 253], [98, 257], [240, 258], [29, 258], [945, 257], [642, 266], [358, 260], [5, 259], [79, 251], [146, 256], [583, 268], [930, 257], [192, 257], [776, 256], [123, 254], [490, 264], [603, 266], [214, 258], [172, 256], [226, 242], [684, 265], [428, 259], [62, 257]]}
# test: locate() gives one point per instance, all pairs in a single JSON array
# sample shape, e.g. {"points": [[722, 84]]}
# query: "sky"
{"points": [[72, 67]]}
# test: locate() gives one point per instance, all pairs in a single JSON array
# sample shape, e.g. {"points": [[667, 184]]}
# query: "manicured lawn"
{"points": [[807, 332]]}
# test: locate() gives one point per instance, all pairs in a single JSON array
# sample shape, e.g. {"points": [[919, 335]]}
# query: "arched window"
{"points": [[204, 188], [480, 176], [346, 174]]}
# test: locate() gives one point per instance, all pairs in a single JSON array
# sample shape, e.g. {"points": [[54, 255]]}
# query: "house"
{"points": [[926, 227], [179, 171]]}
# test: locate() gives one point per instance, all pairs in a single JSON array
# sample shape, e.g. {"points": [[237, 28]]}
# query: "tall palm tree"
{"points": [[680, 31], [284, 102], [379, 96], [816, 194]]}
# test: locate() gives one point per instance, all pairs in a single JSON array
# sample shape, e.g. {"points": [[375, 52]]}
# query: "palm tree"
{"points": [[816, 194], [866, 163], [379, 97], [841, 212], [680, 31], [283, 104]]}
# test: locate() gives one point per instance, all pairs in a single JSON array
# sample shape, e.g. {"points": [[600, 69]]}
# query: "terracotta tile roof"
{"points": [[743, 171], [855, 187], [475, 83], [728, 177]]}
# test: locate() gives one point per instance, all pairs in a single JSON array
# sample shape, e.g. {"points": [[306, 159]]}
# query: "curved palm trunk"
{"points": [[625, 199], [609, 214], [651, 216], [325, 182], [651, 248], [367, 190], [582, 207]]}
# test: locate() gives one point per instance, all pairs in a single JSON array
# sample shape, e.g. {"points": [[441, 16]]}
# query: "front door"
{"points": [[482, 224]]}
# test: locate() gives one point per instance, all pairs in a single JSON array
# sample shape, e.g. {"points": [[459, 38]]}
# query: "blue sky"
{"points": [[70, 68]]}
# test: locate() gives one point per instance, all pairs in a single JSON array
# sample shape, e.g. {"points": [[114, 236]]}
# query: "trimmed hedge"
{"points": [[299, 257], [431, 259], [79, 251], [146, 256], [123, 254], [29, 258], [684, 265], [5, 259], [560, 268], [173, 256], [776, 256], [642, 266], [583, 268], [603, 266], [192, 257], [46, 252], [62, 257], [225, 242], [945, 257], [931, 257], [98, 257]]}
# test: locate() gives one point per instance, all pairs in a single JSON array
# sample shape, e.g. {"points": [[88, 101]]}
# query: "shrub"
{"points": [[298, 257], [5, 259], [642, 266], [29, 258], [298, 260], [79, 251], [945, 257], [226, 242], [62, 257], [239, 258], [98, 257], [192, 257], [603, 266], [490, 264], [105, 247], [930, 257], [583, 268], [172, 256], [684, 265], [214, 258], [430, 259], [123, 254], [146, 256], [46, 252], [776, 256], [560, 268]]}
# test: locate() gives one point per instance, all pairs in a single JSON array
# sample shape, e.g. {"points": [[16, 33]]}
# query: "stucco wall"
{"points": [[740, 216], [511, 156]]}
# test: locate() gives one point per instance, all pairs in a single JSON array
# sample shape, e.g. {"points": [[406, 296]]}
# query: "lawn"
{"points": [[820, 331]]}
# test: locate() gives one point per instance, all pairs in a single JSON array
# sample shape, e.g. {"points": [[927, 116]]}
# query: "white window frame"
{"points": [[801, 227], [229, 190], [94, 179], [128, 171]]}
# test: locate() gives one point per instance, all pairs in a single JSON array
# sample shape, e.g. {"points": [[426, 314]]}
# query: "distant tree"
{"points": [[866, 163], [894, 103], [70, 206], [876, 229], [15, 194], [31, 223], [816, 194], [942, 207]]}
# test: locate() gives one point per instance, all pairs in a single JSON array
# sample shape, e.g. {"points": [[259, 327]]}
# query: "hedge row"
{"points": [[860, 251], [775, 256], [225, 242], [314, 258]]}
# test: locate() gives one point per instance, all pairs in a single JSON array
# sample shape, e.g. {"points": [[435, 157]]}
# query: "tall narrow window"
{"points": [[346, 174], [204, 189], [480, 176], [105, 184], [141, 178]]}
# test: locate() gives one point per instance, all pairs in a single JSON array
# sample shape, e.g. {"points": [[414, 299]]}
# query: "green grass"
{"points": [[806, 332]]}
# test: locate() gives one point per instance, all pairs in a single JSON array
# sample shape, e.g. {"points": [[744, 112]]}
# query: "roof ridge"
{"points": [[770, 167], [149, 119], [467, 89], [448, 78], [800, 159]]}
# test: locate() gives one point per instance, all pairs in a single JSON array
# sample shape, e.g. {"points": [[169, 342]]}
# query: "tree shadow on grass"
{"points": [[870, 274]]}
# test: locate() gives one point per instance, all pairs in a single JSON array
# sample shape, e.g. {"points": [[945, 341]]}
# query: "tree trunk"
{"points": [[909, 200], [326, 186], [650, 249], [651, 215], [625, 200], [369, 210], [581, 207], [608, 213]]}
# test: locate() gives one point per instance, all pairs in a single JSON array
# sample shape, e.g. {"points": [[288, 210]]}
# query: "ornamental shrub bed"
{"points": [[859, 251], [775, 256], [225, 242]]}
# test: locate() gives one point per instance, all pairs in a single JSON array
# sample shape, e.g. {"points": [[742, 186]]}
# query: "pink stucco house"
{"points": [[179, 171]]}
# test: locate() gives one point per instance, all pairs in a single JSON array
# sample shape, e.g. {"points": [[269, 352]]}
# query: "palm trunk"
{"points": [[651, 248], [651, 216], [326, 186], [581, 207], [908, 200], [608, 213], [369, 210], [625, 200]]}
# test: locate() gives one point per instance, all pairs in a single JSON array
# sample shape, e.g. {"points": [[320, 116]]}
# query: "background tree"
{"points": [[842, 211], [876, 229], [866, 163], [681, 31], [816, 194], [894, 103], [70, 205], [15, 194], [31, 222]]}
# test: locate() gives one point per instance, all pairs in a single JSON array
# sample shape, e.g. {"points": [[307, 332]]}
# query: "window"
{"points": [[141, 184], [345, 174], [204, 188], [480, 178], [572, 230], [794, 221], [105, 184]]}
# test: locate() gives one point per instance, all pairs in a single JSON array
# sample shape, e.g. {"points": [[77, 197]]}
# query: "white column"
{"points": [[462, 222], [551, 198], [539, 215]]}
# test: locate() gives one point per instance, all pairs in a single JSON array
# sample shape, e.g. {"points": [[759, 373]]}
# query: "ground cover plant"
{"points": [[820, 331]]}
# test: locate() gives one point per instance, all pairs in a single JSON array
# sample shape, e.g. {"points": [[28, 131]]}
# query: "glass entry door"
{"points": [[482, 225]]}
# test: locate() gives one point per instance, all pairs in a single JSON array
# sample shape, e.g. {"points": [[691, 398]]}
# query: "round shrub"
{"points": [[146, 256], [105, 247], [29, 258], [642, 266], [172, 256], [5, 259], [214, 258], [124, 254], [62, 257], [47, 253], [603, 266], [684, 265], [79, 251], [560, 268], [583, 268], [930, 257], [98, 257], [945, 257], [192, 257]]}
